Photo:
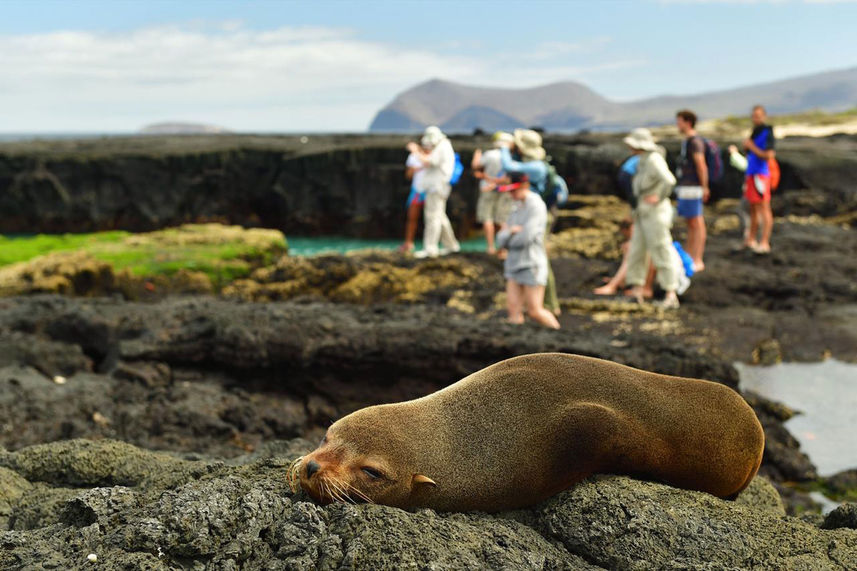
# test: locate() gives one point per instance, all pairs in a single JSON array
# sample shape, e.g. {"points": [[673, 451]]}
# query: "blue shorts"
{"points": [[415, 197], [689, 207]]}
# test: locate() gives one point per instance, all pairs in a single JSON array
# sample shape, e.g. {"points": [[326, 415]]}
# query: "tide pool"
{"points": [[300, 246], [826, 395]]}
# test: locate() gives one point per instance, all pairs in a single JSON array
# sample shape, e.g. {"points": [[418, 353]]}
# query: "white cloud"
{"points": [[225, 74]]}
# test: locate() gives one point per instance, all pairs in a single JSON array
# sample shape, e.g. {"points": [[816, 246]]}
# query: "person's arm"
{"points": [[533, 169], [768, 152], [426, 158], [654, 173], [532, 230], [501, 240], [736, 159], [476, 163]]}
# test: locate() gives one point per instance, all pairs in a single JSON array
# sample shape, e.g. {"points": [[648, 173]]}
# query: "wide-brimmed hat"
{"points": [[641, 139], [529, 144], [432, 136], [501, 138]]}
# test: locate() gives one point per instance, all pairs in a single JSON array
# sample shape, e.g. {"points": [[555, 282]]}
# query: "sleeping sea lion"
{"points": [[522, 430]]}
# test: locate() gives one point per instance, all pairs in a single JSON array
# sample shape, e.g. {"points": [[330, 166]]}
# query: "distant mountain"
{"points": [[571, 106], [179, 128]]}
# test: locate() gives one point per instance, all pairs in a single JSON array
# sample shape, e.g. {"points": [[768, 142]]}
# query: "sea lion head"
{"points": [[367, 456]]}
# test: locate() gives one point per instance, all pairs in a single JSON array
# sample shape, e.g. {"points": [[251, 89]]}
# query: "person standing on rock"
{"points": [[438, 159], [692, 189], [526, 265], [492, 208], [652, 185], [416, 199], [527, 145], [757, 183]]}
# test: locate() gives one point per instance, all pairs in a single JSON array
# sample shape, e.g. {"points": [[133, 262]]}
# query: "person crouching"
{"points": [[521, 240]]}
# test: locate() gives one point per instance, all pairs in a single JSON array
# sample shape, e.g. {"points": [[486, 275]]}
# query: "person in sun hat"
{"points": [[530, 160], [492, 208], [438, 159], [652, 185]]}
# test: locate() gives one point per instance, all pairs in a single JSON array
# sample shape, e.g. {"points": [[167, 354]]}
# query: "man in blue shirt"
{"points": [[757, 185]]}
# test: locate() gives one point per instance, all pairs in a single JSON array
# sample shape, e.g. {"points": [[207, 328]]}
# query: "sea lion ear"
{"points": [[420, 479]]}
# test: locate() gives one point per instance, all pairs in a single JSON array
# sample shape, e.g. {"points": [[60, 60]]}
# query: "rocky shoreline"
{"points": [[151, 428]]}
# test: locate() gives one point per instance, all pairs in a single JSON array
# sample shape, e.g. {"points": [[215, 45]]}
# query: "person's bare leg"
{"points": [[767, 217], [618, 280], [414, 211], [534, 299], [488, 225], [515, 302], [754, 225], [649, 287], [696, 241]]}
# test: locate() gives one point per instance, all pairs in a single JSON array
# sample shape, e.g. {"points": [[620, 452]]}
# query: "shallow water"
{"points": [[311, 246], [826, 395]]}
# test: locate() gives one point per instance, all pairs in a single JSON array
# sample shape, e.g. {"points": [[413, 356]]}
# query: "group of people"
{"points": [[514, 173], [516, 220], [652, 184]]}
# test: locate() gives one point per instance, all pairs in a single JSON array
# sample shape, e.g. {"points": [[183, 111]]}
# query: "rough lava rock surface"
{"points": [[138, 509]]}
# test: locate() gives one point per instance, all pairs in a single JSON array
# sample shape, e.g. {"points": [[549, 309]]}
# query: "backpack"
{"points": [[774, 170], [625, 176], [555, 192], [456, 170], [713, 158]]}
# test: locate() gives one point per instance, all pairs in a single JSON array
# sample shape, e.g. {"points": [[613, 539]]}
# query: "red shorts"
{"points": [[757, 188]]}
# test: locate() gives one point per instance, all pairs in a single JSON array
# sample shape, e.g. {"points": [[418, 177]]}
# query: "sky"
{"points": [[95, 66]]}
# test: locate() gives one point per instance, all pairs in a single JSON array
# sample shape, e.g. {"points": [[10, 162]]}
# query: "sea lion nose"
{"points": [[311, 468]]}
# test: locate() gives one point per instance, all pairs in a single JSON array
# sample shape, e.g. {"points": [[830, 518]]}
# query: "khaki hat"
{"points": [[529, 144], [432, 136], [501, 138], [641, 139]]}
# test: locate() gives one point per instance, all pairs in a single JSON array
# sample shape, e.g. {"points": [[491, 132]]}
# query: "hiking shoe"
{"points": [[667, 303]]}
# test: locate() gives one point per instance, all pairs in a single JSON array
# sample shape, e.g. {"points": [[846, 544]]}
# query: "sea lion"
{"points": [[522, 430]]}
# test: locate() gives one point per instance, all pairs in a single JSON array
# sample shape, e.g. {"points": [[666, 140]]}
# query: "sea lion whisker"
{"points": [[329, 490], [359, 494], [293, 474], [343, 493]]}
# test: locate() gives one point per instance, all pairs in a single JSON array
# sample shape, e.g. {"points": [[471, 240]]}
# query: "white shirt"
{"points": [[414, 162], [439, 167], [493, 165]]}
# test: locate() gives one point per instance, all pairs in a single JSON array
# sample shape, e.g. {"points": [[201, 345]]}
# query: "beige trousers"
{"points": [[437, 225], [651, 237]]}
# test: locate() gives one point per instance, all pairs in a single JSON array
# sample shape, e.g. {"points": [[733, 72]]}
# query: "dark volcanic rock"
{"points": [[843, 516], [175, 513], [342, 185]]}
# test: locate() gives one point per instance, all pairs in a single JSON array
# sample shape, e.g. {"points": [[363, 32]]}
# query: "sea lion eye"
{"points": [[372, 473]]}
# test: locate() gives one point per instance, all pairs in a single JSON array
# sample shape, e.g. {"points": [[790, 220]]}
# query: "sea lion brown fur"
{"points": [[522, 430]]}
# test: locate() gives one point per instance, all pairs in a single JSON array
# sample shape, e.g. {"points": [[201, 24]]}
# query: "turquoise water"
{"points": [[826, 395], [311, 246]]}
